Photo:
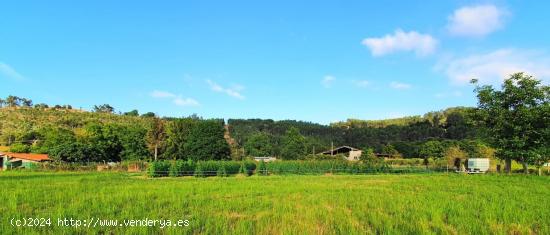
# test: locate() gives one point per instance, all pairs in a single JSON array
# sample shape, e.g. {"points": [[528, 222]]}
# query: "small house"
{"points": [[21, 160], [351, 153]]}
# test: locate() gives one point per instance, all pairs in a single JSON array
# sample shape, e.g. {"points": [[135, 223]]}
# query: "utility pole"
{"points": [[331, 148]]}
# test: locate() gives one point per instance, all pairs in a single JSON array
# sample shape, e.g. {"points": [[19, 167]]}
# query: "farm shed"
{"points": [[265, 159], [21, 160], [351, 153]]}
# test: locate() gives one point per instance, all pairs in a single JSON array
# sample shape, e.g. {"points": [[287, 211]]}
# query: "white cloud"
{"points": [[476, 21], [234, 91], [361, 83], [162, 94], [421, 44], [327, 81], [400, 86], [185, 102], [10, 72], [176, 99], [493, 67]]}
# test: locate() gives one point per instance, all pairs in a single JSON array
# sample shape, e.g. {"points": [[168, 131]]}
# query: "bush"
{"points": [[221, 171], [262, 169], [199, 173], [325, 167], [158, 169], [406, 162], [20, 148], [182, 168]]}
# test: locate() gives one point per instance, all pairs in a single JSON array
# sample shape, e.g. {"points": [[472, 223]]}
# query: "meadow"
{"points": [[287, 204]]}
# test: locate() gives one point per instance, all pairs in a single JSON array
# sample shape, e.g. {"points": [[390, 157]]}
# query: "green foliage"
{"points": [[293, 145], [367, 154], [206, 142], [104, 108], [133, 141], [134, 113], [76, 152], [432, 149], [517, 117], [390, 150], [53, 137], [222, 172], [199, 172], [261, 169], [106, 140], [158, 169], [178, 132], [20, 148], [322, 157], [324, 167], [259, 145], [371, 162]]}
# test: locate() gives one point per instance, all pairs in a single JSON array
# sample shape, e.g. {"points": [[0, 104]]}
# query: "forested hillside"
{"points": [[406, 134], [102, 135]]}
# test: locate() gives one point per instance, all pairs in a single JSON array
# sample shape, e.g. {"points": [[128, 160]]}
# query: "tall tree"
{"points": [[104, 108], [156, 135], [12, 101], [206, 141], [432, 149], [259, 145], [518, 118], [177, 134], [293, 145], [26, 102], [133, 113]]}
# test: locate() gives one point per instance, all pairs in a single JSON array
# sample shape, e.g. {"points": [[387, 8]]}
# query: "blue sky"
{"points": [[319, 61]]}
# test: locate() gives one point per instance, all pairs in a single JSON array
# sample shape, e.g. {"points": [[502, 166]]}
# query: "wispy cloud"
{"points": [[421, 44], [327, 81], [400, 85], [234, 91], [9, 72], [361, 83], [493, 67], [476, 21], [185, 101], [176, 99], [162, 94]]}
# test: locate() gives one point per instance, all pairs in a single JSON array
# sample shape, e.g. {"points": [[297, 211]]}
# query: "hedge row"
{"points": [[226, 168], [199, 169], [324, 167]]}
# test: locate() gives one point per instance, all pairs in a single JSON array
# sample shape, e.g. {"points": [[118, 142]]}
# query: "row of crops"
{"points": [[227, 168]]}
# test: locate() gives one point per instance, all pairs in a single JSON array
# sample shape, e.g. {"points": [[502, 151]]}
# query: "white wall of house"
{"points": [[354, 155]]}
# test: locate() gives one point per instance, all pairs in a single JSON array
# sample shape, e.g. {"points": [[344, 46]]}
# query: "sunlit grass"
{"points": [[332, 204]]}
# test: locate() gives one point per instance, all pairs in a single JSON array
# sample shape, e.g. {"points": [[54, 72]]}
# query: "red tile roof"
{"points": [[28, 156]]}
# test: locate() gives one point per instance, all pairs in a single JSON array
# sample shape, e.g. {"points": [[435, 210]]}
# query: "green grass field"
{"points": [[332, 204]]}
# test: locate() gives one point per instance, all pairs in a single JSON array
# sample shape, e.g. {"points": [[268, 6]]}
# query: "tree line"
{"points": [[511, 123]]}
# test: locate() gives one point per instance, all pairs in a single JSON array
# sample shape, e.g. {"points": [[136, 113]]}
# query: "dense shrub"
{"points": [[20, 148], [222, 172], [324, 167], [199, 173], [182, 168], [406, 162], [158, 169], [262, 168]]}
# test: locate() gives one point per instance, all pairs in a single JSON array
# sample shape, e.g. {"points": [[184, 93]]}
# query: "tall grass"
{"points": [[296, 204]]}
